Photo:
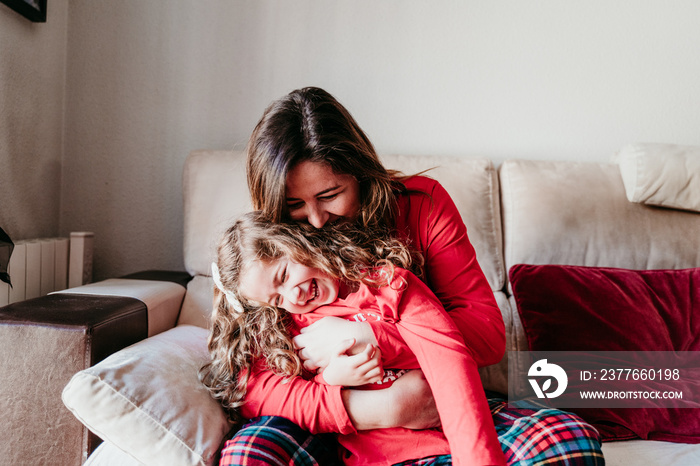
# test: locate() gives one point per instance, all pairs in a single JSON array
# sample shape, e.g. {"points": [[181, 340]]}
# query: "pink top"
{"points": [[432, 224]]}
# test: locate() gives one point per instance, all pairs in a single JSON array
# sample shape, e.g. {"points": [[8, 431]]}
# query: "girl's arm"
{"points": [[314, 407], [315, 342], [320, 408]]}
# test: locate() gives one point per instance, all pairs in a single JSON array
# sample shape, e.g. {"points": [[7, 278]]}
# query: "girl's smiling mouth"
{"points": [[313, 289]]}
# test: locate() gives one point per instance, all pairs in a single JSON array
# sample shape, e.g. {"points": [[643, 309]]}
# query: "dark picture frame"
{"points": [[33, 10]]}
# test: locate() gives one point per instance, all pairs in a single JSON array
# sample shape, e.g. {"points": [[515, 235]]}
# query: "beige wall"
{"points": [[149, 81], [32, 86]]}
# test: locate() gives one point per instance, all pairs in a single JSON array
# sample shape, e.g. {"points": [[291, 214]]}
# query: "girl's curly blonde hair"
{"points": [[238, 340]]}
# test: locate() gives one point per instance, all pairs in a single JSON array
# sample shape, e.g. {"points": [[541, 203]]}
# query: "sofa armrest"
{"points": [[162, 292], [45, 341]]}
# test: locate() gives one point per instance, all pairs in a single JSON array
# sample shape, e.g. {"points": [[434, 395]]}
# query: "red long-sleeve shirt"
{"points": [[432, 224], [429, 340], [429, 220]]}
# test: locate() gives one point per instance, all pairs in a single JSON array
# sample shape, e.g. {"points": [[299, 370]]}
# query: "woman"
{"points": [[309, 161]]}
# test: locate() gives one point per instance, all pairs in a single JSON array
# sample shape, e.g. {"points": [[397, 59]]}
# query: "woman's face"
{"points": [[317, 195], [287, 285]]}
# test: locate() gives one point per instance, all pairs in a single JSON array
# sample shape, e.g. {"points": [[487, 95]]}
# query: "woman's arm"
{"points": [[450, 371], [434, 226], [316, 408], [407, 403]]}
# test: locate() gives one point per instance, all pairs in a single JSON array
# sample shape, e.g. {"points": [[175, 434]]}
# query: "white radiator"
{"points": [[40, 266]]}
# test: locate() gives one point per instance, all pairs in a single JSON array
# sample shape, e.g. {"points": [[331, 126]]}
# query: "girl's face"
{"points": [[317, 195], [284, 284]]}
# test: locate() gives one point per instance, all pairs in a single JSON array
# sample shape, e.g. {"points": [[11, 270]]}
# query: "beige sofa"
{"points": [[145, 400]]}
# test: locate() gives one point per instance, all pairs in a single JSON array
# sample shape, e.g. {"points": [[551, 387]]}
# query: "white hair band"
{"points": [[230, 296]]}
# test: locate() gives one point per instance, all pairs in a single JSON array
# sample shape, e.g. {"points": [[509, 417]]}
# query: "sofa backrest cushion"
{"points": [[578, 214], [473, 185], [216, 193]]}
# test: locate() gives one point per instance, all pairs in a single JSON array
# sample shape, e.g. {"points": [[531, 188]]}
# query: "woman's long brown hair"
{"points": [[309, 124]]}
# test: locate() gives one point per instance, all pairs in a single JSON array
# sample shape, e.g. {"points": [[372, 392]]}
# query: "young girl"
{"points": [[274, 279]]}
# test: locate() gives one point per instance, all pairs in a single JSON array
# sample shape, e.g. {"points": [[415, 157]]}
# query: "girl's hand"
{"points": [[352, 371], [316, 342]]}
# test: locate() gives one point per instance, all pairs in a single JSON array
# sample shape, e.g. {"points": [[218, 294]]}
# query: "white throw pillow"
{"points": [[148, 401], [664, 175]]}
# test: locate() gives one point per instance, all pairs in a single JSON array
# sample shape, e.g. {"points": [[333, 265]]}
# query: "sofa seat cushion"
{"points": [[197, 305], [650, 453], [147, 400], [584, 309], [109, 455]]}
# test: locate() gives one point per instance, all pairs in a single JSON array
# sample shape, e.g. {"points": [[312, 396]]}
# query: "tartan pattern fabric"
{"points": [[442, 460], [536, 435], [273, 440], [530, 435]]}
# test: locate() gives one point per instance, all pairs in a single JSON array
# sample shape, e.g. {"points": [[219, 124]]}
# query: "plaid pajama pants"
{"points": [[530, 435]]}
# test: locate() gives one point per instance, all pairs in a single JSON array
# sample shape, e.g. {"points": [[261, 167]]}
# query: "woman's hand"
{"points": [[413, 402], [407, 403], [352, 371], [316, 342]]}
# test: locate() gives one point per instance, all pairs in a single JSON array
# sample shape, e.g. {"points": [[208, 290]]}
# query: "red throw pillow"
{"points": [[573, 308]]}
